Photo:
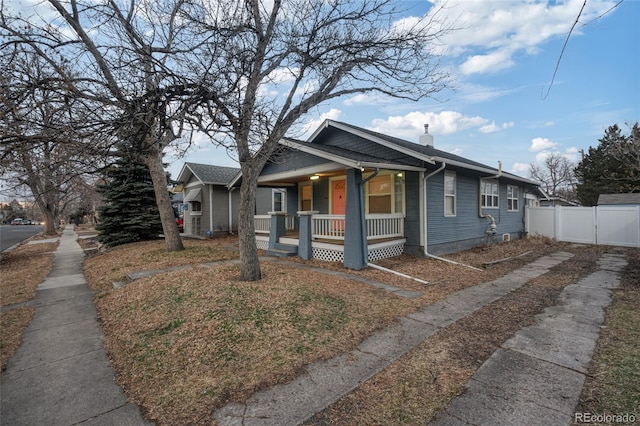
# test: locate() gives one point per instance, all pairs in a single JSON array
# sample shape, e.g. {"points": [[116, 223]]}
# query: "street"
{"points": [[13, 234]]}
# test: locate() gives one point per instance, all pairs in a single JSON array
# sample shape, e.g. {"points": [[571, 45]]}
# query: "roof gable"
{"points": [[415, 150], [208, 174]]}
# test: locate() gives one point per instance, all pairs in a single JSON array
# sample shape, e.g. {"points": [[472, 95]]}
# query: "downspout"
{"points": [[231, 211], [426, 252], [210, 209]]}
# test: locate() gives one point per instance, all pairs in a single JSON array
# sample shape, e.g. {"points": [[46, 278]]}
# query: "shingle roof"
{"points": [[428, 150], [631, 198], [213, 175]]}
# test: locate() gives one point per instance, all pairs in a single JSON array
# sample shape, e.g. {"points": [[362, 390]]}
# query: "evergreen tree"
{"points": [[129, 212], [609, 168]]}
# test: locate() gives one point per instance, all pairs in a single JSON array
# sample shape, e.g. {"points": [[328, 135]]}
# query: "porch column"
{"points": [[305, 233], [355, 238], [278, 228]]}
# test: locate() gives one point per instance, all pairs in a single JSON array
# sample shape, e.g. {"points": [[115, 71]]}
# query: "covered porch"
{"points": [[322, 236]]}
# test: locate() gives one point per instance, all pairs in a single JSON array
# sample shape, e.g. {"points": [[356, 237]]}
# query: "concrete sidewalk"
{"points": [[325, 382], [537, 376], [60, 375]]}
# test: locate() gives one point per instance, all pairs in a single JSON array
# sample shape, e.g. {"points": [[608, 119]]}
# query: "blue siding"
{"points": [[467, 229], [321, 196], [412, 213], [291, 160]]}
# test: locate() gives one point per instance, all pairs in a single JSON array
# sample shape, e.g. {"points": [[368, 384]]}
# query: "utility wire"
{"points": [[555, 71]]}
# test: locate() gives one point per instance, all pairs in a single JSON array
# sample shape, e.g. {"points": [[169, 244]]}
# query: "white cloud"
{"points": [[493, 32], [489, 128], [361, 99], [490, 62], [521, 169], [411, 125], [311, 125], [541, 144]]}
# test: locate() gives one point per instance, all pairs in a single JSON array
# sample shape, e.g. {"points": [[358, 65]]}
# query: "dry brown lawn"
{"points": [[186, 342], [21, 271]]}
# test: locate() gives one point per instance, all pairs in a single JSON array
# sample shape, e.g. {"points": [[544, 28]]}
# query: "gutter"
{"points": [[426, 252]]}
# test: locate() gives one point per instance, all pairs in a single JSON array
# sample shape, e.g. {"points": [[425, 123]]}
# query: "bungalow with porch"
{"points": [[360, 196]]}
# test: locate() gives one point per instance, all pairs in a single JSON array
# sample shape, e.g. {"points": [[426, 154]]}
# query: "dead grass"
{"points": [[184, 344], [112, 265], [23, 269], [613, 384], [12, 325]]}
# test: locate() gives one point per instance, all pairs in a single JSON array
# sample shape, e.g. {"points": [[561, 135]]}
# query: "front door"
{"points": [[338, 205], [338, 197]]}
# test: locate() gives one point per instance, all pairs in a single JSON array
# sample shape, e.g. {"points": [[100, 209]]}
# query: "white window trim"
{"points": [[194, 212], [454, 195], [483, 196], [275, 191], [516, 198]]}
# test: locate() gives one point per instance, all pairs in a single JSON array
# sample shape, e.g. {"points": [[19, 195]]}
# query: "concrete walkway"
{"points": [[60, 375], [537, 376], [325, 382]]}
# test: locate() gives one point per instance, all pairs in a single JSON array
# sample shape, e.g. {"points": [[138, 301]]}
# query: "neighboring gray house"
{"points": [[209, 206], [363, 195], [630, 199]]}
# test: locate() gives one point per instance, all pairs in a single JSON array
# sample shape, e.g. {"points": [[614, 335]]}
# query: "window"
{"points": [[513, 196], [278, 200], [196, 207], [306, 197], [385, 194], [449, 194], [196, 229], [490, 194]]}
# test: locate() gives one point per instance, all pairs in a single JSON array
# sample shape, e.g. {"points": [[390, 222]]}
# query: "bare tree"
{"points": [[556, 176], [43, 145], [124, 59], [267, 63]]}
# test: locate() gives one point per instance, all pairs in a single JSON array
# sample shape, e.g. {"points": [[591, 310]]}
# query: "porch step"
{"points": [[283, 250]]}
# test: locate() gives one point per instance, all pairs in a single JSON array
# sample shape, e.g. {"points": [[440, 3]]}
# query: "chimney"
{"points": [[426, 139]]}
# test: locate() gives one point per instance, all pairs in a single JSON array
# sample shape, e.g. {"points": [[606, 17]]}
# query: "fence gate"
{"points": [[608, 225]]}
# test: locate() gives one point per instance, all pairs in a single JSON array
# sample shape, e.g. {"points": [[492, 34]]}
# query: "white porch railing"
{"points": [[262, 223], [331, 227], [385, 225]]}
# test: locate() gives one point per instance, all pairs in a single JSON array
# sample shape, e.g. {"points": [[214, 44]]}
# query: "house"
{"points": [[209, 207], [359, 195], [557, 201], [630, 199]]}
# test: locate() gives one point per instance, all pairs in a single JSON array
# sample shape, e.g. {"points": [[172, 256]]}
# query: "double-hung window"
{"points": [[513, 197], [449, 193], [490, 197], [278, 200]]}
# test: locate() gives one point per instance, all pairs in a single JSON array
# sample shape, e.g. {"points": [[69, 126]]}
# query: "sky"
{"points": [[505, 106], [502, 61]]}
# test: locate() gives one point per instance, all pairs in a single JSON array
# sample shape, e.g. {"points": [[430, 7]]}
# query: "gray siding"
{"points": [[467, 229], [220, 209], [263, 201], [321, 196], [291, 160]]}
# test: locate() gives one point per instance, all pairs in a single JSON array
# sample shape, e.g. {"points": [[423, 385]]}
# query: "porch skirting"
{"points": [[335, 252]]}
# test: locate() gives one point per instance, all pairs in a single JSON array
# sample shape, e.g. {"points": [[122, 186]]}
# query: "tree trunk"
{"points": [[172, 239], [249, 261], [51, 222]]}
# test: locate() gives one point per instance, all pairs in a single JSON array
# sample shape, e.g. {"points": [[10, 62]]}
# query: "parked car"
{"points": [[180, 223], [26, 222], [17, 221]]}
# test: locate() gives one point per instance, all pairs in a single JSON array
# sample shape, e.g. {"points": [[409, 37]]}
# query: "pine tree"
{"points": [[610, 168], [129, 212]]}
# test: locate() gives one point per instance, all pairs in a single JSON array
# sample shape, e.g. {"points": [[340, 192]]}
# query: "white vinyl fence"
{"points": [[607, 225]]}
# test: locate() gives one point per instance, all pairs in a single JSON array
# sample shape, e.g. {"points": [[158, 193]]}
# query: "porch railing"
{"points": [[385, 225], [262, 223], [331, 227]]}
